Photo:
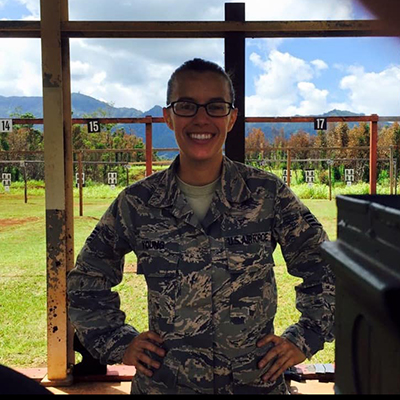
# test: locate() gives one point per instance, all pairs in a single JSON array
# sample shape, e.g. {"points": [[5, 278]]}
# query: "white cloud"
{"points": [[373, 92], [20, 76], [314, 100], [272, 10], [319, 64], [283, 83], [146, 10], [141, 67], [33, 6]]}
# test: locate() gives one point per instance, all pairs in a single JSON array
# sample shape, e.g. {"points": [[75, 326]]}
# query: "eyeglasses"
{"points": [[190, 108]]}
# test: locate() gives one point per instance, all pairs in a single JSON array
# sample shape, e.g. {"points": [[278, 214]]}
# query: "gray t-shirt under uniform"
{"points": [[199, 197]]}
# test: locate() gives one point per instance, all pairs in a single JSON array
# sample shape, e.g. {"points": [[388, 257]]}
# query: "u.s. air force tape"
{"points": [[249, 238]]}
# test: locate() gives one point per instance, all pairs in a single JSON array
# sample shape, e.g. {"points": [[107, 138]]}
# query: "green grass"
{"points": [[23, 274]]}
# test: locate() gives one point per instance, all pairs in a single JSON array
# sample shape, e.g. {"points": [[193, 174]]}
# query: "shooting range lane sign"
{"points": [[320, 124], [284, 175], [349, 176], [6, 181], [6, 125], [112, 179], [78, 180], [93, 126], [310, 176]]}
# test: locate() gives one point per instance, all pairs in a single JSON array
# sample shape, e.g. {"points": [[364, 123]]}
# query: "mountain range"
{"points": [[162, 135]]}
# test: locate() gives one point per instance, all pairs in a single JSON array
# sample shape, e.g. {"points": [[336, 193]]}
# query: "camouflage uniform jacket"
{"points": [[211, 286]]}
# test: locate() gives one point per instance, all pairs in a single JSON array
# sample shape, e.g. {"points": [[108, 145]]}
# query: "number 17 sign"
{"points": [[5, 125], [320, 124]]}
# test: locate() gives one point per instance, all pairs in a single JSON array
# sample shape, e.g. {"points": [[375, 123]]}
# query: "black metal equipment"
{"points": [[366, 261]]}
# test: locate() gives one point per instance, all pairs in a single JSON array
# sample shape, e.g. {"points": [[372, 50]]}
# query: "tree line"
{"points": [[314, 151], [27, 138]]}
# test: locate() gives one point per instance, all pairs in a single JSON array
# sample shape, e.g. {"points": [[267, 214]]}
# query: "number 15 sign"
{"points": [[93, 126], [5, 125]]}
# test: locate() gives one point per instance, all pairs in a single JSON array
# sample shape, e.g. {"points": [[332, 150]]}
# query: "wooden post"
{"points": [[391, 169], [57, 362], [373, 143], [149, 147], [330, 180], [69, 168], [80, 174], [235, 65], [288, 166], [25, 183]]}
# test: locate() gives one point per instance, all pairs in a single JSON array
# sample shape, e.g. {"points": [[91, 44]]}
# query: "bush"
{"points": [[323, 177]]}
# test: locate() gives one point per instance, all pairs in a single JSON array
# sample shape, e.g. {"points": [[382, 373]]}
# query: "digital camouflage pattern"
{"points": [[211, 286]]}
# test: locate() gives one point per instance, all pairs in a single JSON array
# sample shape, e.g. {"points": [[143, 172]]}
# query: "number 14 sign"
{"points": [[5, 125]]}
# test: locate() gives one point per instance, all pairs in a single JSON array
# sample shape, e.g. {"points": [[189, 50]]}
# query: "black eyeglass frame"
{"points": [[172, 104]]}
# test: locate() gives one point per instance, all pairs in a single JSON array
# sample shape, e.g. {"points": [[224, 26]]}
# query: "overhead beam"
{"points": [[193, 29]]}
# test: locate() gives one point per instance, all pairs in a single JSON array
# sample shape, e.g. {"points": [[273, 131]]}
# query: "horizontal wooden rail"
{"points": [[359, 118], [248, 149], [158, 120], [206, 29]]}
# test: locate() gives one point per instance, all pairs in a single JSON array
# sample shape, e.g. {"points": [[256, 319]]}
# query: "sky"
{"points": [[284, 77]]}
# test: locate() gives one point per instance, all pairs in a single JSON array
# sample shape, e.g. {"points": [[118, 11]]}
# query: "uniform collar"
{"points": [[233, 187]]}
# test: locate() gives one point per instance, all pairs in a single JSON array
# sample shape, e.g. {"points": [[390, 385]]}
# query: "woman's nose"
{"points": [[201, 114]]}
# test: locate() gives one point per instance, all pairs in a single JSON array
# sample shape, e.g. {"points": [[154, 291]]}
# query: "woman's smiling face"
{"points": [[201, 137]]}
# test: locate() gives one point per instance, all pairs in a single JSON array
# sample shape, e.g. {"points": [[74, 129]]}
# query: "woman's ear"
{"points": [[233, 116], [167, 118]]}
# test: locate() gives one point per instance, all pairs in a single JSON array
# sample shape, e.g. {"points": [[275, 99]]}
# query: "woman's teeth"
{"points": [[200, 136]]}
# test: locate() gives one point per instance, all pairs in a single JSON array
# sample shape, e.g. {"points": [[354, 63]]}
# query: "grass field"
{"points": [[23, 274]]}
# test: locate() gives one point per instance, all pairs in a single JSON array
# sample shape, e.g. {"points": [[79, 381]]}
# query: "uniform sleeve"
{"points": [[93, 308], [300, 235]]}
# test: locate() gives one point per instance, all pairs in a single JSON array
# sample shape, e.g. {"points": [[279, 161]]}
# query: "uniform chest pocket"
{"points": [[253, 288], [161, 274]]}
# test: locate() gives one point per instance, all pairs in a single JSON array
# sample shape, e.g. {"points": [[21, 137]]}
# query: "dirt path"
{"points": [[8, 222]]}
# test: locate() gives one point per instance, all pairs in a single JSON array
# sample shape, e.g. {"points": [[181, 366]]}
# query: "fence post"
{"points": [[288, 166], [80, 175], [391, 168], [373, 141], [330, 179], [25, 182], [149, 146]]}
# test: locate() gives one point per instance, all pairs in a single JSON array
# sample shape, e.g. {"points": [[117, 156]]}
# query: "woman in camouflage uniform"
{"points": [[204, 231]]}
